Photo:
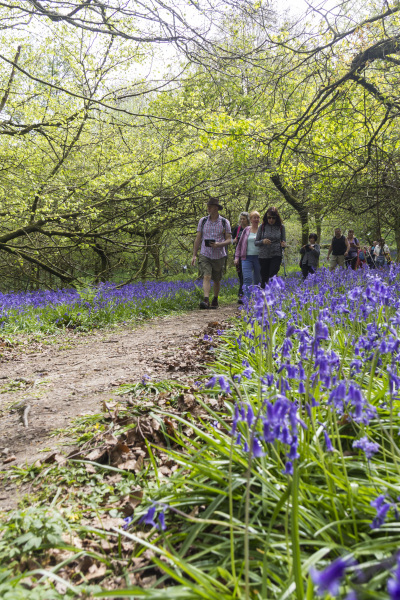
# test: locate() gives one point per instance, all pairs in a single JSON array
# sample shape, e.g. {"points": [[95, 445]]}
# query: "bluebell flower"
{"points": [[248, 372], [257, 448], [224, 384], [161, 520], [370, 448], [393, 585], [211, 382], [250, 415], [330, 578], [148, 518], [127, 522], [382, 509], [288, 470], [328, 443]]}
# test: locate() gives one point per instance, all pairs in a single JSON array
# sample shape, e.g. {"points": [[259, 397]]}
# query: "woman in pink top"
{"points": [[247, 252]]}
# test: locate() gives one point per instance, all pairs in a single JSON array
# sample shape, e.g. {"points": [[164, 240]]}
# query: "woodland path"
{"points": [[62, 380]]}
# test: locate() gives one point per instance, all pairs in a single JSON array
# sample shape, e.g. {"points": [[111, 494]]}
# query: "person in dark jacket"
{"points": [[271, 239], [244, 221], [339, 249], [310, 255]]}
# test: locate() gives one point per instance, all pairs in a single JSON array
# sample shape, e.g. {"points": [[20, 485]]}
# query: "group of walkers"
{"points": [[347, 251], [258, 253], [259, 250]]}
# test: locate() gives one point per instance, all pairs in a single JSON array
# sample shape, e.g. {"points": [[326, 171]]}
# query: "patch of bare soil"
{"points": [[62, 381]]}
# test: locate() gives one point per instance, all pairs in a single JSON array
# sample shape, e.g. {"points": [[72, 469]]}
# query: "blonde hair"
{"points": [[253, 212]]}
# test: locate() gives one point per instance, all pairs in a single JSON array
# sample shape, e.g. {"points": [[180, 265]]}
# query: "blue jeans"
{"points": [[251, 272]]}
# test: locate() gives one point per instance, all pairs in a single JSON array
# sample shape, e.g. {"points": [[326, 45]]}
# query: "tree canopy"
{"points": [[118, 120]]}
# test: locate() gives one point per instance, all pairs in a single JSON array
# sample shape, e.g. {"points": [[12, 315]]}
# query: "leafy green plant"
{"points": [[31, 530]]}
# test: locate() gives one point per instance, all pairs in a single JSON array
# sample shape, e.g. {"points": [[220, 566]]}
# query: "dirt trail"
{"points": [[65, 380]]}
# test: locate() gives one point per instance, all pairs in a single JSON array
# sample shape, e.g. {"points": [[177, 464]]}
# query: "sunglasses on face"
{"points": [[271, 217]]}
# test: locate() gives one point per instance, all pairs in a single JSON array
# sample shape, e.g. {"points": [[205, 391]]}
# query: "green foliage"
{"points": [[29, 531]]}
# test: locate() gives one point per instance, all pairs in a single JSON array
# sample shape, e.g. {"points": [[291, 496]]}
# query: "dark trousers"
{"points": [[269, 268], [240, 277], [306, 270], [351, 261]]}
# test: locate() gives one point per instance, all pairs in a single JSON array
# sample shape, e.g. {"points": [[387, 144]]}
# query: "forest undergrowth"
{"points": [[274, 477]]}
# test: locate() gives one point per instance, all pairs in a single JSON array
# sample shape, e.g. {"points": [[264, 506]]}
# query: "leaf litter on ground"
{"points": [[127, 451]]}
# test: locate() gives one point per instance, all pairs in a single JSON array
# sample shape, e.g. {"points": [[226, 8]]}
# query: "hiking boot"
{"points": [[205, 304], [214, 303], [240, 301]]}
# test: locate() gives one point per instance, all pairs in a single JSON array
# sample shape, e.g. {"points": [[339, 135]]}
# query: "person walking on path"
{"points": [[309, 256], [353, 250], [213, 235], [381, 250], [339, 249], [247, 253], [270, 239], [237, 233]]}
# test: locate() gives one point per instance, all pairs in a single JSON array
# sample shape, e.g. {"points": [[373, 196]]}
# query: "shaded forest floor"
{"points": [[79, 375]]}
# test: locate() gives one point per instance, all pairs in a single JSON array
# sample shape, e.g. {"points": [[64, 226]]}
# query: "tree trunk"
{"points": [[295, 203], [397, 237]]}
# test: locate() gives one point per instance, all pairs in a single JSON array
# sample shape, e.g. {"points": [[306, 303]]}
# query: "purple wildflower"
{"points": [[382, 508], [127, 522], [330, 578], [393, 585], [224, 385], [257, 448], [370, 448], [148, 518], [328, 443]]}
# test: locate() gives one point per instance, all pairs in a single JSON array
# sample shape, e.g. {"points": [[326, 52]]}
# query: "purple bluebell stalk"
{"points": [[127, 522], [370, 448], [257, 448], [250, 415], [148, 518], [288, 470], [328, 443], [248, 372], [224, 384], [235, 420], [211, 382], [382, 509], [393, 585], [329, 579], [161, 520]]}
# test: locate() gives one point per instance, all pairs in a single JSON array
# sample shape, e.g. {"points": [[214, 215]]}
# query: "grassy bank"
{"points": [[279, 479]]}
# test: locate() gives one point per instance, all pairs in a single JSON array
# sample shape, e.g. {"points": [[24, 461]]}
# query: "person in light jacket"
{"points": [[309, 255], [270, 239], [237, 232], [247, 253]]}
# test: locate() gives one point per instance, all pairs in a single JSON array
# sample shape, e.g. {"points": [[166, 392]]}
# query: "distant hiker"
{"points": [[213, 235], [271, 239], [237, 232], [247, 253], [381, 250], [309, 256], [339, 249], [354, 247]]}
